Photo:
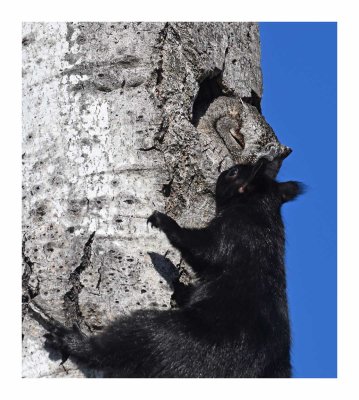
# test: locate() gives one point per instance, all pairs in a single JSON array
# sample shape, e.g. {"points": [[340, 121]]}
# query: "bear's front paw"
{"points": [[64, 340], [156, 219]]}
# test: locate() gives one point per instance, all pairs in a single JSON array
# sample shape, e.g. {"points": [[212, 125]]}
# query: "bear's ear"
{"points": [[290, 190]]}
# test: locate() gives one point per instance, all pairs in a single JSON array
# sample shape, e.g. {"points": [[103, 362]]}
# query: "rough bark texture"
{"points": [[119, 120]]}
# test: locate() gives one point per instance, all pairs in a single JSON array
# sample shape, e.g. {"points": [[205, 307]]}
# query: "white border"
{"points": [[257, 10]]}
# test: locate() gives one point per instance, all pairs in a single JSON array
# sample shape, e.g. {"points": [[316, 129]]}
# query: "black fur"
{"points": [[234, 321]]}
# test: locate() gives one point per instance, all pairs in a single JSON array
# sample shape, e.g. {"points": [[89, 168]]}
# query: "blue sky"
{"points": [[299, 102]]}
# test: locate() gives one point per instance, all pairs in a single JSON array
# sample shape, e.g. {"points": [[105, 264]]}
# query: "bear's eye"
{"points": [[233, 172]]}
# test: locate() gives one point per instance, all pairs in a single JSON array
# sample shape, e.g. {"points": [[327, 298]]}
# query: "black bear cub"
{"points": [[233, 321]]}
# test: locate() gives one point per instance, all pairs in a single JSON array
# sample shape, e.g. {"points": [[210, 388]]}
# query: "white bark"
{"points": [[111, 132]]}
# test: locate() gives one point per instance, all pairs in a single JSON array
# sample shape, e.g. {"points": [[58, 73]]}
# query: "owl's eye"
{"points": [[233, 172]]}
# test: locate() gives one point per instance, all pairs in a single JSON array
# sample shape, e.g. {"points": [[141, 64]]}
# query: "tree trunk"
{"points": [[119, 120]]}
